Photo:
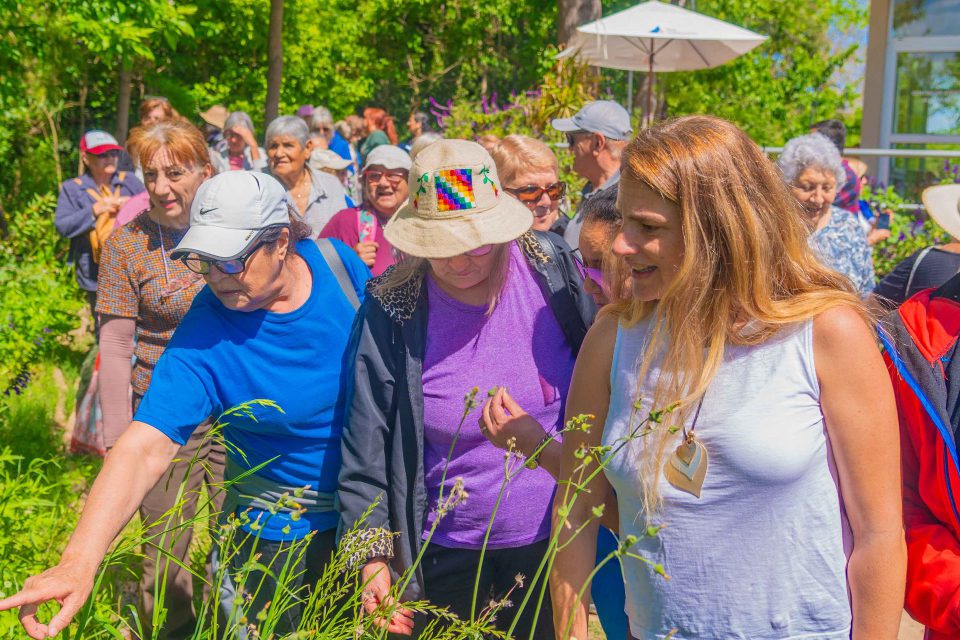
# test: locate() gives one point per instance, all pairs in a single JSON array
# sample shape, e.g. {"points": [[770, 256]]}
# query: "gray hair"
{"points": [[288, 126], [423, 141], [812, 150], [238, 117], [321, 115]]}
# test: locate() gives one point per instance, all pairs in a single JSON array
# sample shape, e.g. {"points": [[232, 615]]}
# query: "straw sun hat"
{"points": [[942, 202], [456, 204]]}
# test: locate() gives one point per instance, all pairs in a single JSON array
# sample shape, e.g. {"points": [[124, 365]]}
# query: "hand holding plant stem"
{"points": [[376, 596]]}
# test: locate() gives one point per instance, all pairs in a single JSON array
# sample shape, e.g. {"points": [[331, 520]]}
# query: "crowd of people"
{"points": [[364, 286]]}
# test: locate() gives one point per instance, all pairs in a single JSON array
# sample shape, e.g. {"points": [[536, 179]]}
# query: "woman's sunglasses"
{"points": [[228, 267], [533, 193], [587, 273]]}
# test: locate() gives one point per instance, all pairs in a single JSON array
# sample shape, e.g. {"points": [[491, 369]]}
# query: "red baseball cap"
{"points": [[97, 142]]}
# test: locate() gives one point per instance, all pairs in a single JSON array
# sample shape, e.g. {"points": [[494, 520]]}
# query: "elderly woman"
{"points": [[242, 152], [88, 205], [143, 295], [811, 166], [384, 179], [480, 301], [267, 284], [316, 195], [779, 483], [530, 173], [322, 127]]}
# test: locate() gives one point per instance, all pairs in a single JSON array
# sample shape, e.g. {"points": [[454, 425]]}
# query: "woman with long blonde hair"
{"points": [[773, 490]]}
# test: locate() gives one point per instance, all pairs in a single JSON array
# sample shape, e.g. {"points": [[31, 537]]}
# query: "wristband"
{"points": [[533, 461]]}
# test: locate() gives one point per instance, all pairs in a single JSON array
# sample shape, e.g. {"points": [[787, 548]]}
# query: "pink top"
{"points": [[345, 226], [132, 208]]}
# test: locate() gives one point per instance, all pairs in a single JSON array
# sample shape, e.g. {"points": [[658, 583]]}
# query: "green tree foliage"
{"points": [[61, 61]]}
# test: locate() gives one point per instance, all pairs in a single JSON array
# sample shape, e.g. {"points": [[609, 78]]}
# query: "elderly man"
{"points": [[321, 125], [597, 135]]}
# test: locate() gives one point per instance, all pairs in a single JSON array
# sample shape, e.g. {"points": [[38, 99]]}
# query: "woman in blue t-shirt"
{"points": [[272, 323]]}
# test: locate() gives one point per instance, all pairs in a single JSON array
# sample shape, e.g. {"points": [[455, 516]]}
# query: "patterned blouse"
{"points": [[139, 280], [842, 246]]}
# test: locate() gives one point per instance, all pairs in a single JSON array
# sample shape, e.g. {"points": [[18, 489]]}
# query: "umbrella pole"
{"points": [[630, 92], [648, 116]]}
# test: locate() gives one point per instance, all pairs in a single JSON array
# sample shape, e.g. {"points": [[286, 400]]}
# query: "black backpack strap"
{"points": [[573, 311], [332, 258]]}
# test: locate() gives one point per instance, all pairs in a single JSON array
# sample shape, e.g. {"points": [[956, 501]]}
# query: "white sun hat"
{"points": [[456, 204], [942, 202]]}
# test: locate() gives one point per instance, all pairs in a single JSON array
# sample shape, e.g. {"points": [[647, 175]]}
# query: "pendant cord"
{"points": [[696, 416]]}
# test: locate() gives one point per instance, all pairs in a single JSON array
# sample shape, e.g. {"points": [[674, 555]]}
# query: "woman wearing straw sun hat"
{"points": [[481, 301], [934, 265]]}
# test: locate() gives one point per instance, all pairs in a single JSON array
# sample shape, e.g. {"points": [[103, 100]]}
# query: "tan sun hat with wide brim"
{"points": [[942, 202], [456, 204]]}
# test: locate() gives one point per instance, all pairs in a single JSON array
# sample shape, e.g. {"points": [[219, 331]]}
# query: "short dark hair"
{"points": [[835, 130], [602, 207], [423, 119], [299, 230]]}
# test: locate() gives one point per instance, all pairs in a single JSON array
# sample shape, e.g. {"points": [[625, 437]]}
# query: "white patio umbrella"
{"points": [[655, 37]]}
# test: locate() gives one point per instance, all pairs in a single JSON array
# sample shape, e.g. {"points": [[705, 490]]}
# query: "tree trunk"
{"points": [[123, 102], [573, 13], [274, 60]]}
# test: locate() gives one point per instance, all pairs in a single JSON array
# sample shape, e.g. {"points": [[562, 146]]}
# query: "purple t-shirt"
{"points": [[345, 226], [520, 346]]}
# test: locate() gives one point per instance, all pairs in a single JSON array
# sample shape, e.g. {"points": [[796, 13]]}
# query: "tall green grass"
{"points": [[41, 494]]}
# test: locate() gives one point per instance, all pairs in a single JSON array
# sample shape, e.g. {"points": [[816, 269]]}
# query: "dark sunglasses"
{"points": [[532, 193], [229, 267], [587, 273], [572, 137]]}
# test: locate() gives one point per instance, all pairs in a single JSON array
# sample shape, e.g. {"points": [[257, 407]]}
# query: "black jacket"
{"points": [[383, 430]]}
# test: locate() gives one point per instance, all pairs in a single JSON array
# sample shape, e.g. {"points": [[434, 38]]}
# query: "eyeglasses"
{"points": [[587, 273], [393, 177], [572, 137], [532, 193], [228, 267], [479, 251]]}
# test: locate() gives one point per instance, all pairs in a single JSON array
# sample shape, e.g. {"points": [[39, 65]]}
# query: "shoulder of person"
{"points": [[357, 270], [840, 327], [327, 181], [342, 217], [397, 303], [78, 184]]}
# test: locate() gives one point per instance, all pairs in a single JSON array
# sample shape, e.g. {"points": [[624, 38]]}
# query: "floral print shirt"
{"points": [[842, 246]]}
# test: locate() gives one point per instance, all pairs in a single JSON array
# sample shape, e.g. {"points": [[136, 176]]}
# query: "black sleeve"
{"points": [[893, 286], [370, 400]]}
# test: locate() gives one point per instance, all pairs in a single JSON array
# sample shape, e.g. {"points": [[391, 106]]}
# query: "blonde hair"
{"points": [[516, 154], [746, 270], [413, 267]]}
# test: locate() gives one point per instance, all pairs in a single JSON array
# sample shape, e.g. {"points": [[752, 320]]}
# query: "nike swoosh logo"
{"points": [[204, 212]]}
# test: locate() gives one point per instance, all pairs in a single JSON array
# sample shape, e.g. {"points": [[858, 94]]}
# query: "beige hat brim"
{"points": [[942, 202], [454, 235]]}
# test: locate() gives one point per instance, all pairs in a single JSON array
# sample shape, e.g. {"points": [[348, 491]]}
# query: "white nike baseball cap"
{"points": [[229, 213]]}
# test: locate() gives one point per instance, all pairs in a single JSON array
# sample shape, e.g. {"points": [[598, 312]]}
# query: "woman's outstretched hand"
{"points": [[67, 584]]}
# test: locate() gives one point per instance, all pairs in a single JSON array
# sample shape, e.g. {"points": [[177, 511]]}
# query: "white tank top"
{"points": [[760, 554]]}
